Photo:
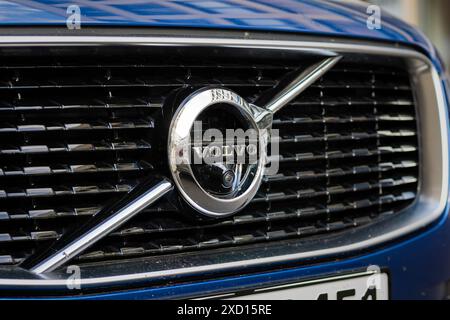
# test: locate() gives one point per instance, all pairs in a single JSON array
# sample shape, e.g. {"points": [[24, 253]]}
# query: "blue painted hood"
{"points": [[312, 17]]}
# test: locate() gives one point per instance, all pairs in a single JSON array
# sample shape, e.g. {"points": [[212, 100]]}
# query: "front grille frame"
{"points": [[428, 207]]}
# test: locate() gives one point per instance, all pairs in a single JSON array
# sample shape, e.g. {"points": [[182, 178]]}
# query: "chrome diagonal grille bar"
{"points": [[301, 83], [99, 226]]}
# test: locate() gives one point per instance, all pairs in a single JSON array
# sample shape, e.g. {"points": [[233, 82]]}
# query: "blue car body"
{"points": [[308, 17], [419, 265]]}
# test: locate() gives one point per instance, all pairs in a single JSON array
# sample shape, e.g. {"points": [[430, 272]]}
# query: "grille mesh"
{"points": [[76, 136]]}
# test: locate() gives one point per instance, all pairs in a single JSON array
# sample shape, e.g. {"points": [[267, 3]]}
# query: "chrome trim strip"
{"points": [[115, 218], [430, 205], [319, 48], [301, 83]]}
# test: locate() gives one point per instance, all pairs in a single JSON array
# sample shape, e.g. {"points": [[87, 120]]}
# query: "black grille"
{"points": [[75, 136]]}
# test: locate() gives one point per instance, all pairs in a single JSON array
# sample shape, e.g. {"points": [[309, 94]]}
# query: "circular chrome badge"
{"points": [[217, 150]]}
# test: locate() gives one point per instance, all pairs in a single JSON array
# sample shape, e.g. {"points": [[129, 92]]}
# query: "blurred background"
{"points": [[431, 16]]}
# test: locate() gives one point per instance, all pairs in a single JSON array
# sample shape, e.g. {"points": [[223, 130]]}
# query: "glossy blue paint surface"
{"points": [[311, 17], [419, 266]]}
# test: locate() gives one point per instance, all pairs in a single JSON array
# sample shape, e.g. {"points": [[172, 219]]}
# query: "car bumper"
{"points": [[418, 268]]}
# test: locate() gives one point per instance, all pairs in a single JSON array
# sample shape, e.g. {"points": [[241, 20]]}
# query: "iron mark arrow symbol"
{"points": [[112, 217], [301, 83]]}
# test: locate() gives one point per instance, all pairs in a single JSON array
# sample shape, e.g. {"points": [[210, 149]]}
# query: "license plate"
{"points": [[349, 287]]}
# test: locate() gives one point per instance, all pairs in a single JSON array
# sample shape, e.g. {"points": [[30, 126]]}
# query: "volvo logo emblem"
{"points": [[217, 143], [217, 150]]}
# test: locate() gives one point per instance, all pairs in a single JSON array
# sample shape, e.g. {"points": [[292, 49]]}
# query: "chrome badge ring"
{"points": [[237, 183]]}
